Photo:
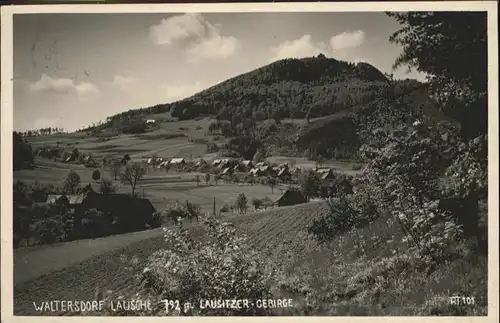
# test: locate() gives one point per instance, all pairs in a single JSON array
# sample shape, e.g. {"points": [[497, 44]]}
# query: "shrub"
{"points": [[257, 203], [267, 202], [49, 230], [222, 267], [241, 203], [342, 217], [96, 175]]}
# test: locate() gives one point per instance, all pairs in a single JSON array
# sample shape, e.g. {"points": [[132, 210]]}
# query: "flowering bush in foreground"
{"points": [[222, 266]]}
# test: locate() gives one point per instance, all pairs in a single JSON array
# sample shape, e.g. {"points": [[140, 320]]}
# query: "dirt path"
{"points": [[33, 262], [73, 270], [114, 271]]}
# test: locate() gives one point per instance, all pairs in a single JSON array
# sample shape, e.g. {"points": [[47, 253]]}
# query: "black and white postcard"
{"points": [[292, 159]]}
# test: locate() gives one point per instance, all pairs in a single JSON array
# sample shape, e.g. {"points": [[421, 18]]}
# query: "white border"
{"points": [[7, 118]]}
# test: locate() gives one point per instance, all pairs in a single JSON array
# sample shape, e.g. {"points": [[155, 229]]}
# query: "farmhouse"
{"points": [[243, 166], [267, 170], [68, 201], [132, 214], [332, 185], [177, 161], [163, 164], [224, 163], [291, 197], [322, 171], [255, 172], [201, 162]]}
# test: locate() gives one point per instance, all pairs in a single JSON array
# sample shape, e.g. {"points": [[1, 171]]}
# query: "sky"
{"points": [[74, 69]]}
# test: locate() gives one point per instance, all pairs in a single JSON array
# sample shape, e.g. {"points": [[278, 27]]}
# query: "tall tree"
{"points": [[451, 48], [71, 182], [439, 44], [115, 169], [132, 173]]}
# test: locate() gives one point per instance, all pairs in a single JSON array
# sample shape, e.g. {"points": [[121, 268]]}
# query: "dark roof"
{"points": [[326, 175], [283, 171], [72, 199], [118, 203], [53, 198], [294, 195]]}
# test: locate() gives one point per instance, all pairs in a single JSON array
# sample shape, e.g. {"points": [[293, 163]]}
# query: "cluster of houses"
{"points": [[330, 182], [88, 161]]}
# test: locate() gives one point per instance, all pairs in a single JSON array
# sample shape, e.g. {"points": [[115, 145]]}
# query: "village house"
{"points": [[332, 184], [178, 162], [267, 170], [226, 171], [291, 197], [226, 162], [201, 162], [255, 172], [131, 213], [243, 166], [163, 164]]}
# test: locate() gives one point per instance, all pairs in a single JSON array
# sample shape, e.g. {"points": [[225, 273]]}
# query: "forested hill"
{"points": [[296, 88]]}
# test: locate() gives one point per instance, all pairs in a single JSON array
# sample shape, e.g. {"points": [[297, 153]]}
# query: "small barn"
{"points": [[291, 197]]}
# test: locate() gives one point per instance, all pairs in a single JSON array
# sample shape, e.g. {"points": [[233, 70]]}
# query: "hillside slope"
{"points": [[315, 86]]}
